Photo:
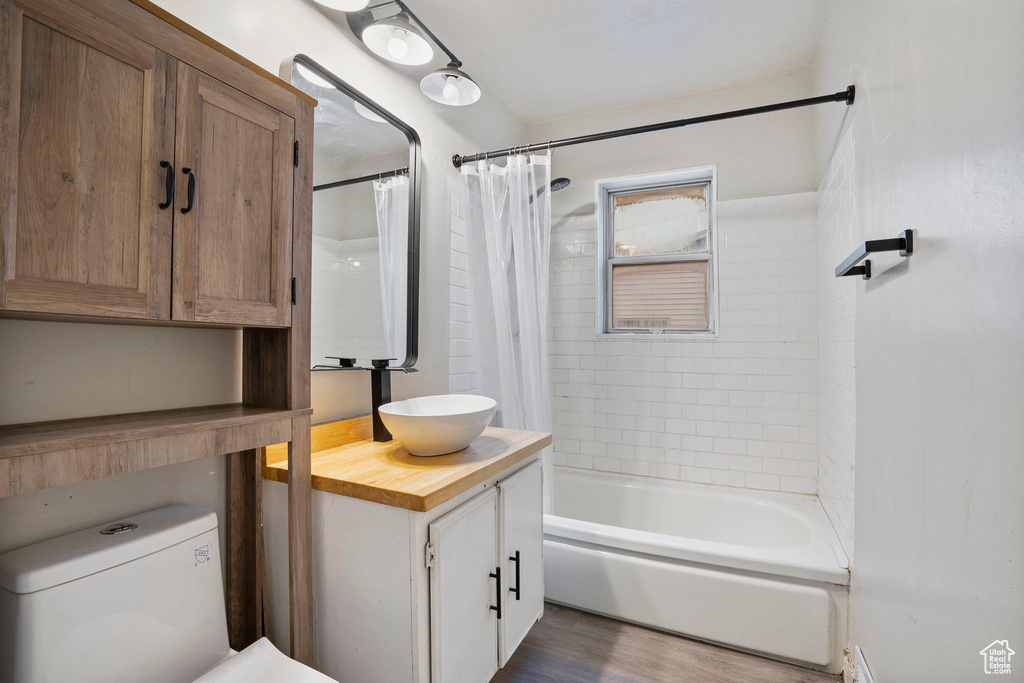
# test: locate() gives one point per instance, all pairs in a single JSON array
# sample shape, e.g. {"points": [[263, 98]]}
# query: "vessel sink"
{"points": [[435, 425]]}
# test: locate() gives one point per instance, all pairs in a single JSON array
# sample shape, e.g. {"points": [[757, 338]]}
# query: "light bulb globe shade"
{"points": [[344, 5], [450, 91], [311, 76], [450, 86], [397, 47], [382, 34]]}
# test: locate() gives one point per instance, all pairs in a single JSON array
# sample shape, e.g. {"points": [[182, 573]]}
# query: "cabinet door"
{"points": [[522, 543], [233, 231], [89, 121], [463, 625]]}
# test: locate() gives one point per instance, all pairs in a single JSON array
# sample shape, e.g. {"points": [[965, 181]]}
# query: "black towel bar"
{"points": [[904, 244]]}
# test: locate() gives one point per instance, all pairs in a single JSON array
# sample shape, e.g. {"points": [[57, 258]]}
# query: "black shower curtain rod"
{"points": [[842, 96], [362, 179]]}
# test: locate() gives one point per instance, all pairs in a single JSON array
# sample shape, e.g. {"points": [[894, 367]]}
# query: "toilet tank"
{"points": [[137, 600]]}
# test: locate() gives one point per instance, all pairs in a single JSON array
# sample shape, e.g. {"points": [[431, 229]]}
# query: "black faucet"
{"points": [[380, 393]]}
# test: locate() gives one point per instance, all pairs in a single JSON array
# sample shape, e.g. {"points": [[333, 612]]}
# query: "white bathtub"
{"points": [[756, 571]]}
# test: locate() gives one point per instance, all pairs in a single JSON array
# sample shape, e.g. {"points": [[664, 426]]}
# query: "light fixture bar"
{"points": [[846, 96], [444, 48]]}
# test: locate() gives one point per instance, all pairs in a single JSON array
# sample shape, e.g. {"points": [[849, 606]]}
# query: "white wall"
{"points": [[938, 569], [59, 370], [757, 156]]}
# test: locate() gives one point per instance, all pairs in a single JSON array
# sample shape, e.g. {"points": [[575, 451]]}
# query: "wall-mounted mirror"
{"points": [[365, 288]]}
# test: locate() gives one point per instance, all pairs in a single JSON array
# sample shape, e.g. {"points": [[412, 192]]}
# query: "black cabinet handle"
{"points": [[496, 575], [191, 189], [170, 183], [515, 558]]}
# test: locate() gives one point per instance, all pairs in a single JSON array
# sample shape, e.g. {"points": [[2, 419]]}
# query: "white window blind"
{"points": [[662, 296]]}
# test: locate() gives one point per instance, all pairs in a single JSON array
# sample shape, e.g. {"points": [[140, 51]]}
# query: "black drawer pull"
{"points": [[191, 189], [169, 180], [496, 575], [515, 558]]}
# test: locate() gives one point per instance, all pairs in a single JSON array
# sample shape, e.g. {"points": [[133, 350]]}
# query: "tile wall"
{"points": [[838, 234]]}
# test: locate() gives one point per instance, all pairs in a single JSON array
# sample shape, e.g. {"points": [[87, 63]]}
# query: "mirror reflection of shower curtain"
{"points": [[392, 199], [509, 243]]}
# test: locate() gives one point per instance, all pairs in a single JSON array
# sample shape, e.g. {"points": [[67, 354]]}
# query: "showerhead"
{"points": [[556, 185]]}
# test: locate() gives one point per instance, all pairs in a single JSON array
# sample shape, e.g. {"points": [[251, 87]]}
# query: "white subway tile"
{"points": [[727, 478]]}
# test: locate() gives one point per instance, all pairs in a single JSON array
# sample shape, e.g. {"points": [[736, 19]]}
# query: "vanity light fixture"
{"points": [[397, 40], [402, 38], [450, 86], [344, 5]]}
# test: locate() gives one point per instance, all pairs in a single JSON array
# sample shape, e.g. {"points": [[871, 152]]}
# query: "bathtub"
{"points": [[755, 571]]}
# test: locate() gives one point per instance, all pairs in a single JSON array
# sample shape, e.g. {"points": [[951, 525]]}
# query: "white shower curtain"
{"points": [[509, 219], [392, 199]]}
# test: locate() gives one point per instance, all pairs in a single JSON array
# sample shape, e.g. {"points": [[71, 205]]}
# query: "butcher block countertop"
{"points": [[386, 473]]}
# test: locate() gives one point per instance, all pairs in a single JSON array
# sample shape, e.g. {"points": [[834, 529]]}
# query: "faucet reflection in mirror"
{"points": [[365, 227]]}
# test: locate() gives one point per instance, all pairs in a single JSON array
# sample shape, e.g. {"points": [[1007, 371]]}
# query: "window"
{"points": [[657, 267]]}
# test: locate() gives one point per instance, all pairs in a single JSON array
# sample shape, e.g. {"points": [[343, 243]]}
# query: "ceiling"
{"points": [[552, 58]]}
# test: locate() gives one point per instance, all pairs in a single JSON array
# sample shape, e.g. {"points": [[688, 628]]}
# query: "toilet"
{"points": [[140, 599]]}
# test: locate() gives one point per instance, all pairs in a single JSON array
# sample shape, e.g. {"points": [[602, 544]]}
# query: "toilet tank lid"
{"points": [[79, 554]]}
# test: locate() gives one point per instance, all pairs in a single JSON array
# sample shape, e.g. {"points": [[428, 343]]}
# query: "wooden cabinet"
{"points": [[91, 117], [102, 102], [100, 124], [232, 236]]}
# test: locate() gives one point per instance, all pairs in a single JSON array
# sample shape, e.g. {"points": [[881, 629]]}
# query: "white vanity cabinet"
{"points": [[411, 594], [521, 539], [486, 578]]}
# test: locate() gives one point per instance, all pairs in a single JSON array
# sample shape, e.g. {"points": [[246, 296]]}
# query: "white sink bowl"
{"points": [[435, 425]]}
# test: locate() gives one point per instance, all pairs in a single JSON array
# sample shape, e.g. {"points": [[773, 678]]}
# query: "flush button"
{"points": [[119, 528]]}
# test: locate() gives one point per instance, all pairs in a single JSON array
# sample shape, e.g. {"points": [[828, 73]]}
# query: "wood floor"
{"points": [[569, 646]]}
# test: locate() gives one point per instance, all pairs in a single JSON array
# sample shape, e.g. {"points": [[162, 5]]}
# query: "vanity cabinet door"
{"points": [[86, 119], [521, 532], [463, 590], [232, 231]]}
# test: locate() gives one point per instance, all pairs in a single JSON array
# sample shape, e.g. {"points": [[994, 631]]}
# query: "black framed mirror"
{"points": [[366, 206]]}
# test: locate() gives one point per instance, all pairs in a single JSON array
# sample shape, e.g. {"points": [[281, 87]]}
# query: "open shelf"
{"points": [[94, 447]]}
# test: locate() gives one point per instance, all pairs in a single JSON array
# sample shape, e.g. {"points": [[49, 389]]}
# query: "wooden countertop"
{"points": [[386, 472]]}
